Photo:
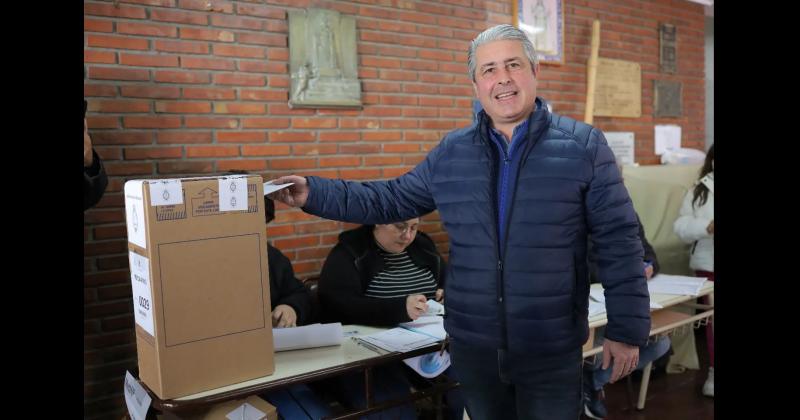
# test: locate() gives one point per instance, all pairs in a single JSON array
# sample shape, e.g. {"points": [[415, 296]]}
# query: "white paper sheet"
{"points": [[165, 192], [675, 285], [246, 412], [429, 365], [308, 336], [667, 137], [142, 293], [270, 188], [429, 325]]}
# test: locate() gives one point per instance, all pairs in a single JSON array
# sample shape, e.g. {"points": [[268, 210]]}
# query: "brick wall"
{"points": [[189, 87]]}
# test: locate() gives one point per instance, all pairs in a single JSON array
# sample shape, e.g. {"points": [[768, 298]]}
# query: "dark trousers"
{"points": [[496, 384]]}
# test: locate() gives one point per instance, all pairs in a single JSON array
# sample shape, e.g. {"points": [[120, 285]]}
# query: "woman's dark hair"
{"points": [[700, 190]]}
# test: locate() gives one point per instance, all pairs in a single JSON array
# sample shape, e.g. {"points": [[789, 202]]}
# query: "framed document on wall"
{"points": [[543, 22]]}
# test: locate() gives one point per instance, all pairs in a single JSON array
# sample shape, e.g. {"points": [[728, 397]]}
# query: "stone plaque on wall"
{"points": [[667, 98], [618, 92], [322, 60], [668, 52]]}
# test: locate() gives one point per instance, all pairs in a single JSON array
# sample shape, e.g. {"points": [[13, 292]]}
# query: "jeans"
{"points": [[497, 384]]}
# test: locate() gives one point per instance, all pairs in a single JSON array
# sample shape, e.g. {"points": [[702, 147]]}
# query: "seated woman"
{"points": [[381, 276]]}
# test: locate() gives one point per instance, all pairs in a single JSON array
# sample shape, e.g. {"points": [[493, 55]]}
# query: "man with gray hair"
{"points": [[520, 192]]}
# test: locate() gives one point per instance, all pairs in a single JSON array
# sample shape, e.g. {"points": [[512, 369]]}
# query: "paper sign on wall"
{"points": [[622, 144], [667, 137]]}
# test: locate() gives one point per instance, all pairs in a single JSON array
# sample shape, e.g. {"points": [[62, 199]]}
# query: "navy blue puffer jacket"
{"points": [[535, 300]]}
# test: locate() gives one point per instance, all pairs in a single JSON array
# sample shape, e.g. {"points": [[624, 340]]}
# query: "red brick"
{"points": [[458, 68], [238, 108], [94, 122], [185, 167], [284, 109], [339, 161], [265, 123], [121, 137], [95, 215], [239, 51], [271, 40], [339, 136], [435, 101], [273, 231], [123, 11], [241, 136], [119, 42], [181, 137], [388, 63], [291, 136], [156, 92], [127, 168], [398, 100], [239, 79], [456, 90], [147, 29], [413, 160], [211, 122], [393, 124], [104, 247], [148, 60], [115, 73], [420, 88], [269, 150], [163, 3], [263, 67], [207, 34], [241, 165], [420, 65], [455, 113], [372, 86], [292, 164], [443, 79], [394, 172], [192, 18], [207, 63], [172, 107], [316, 227], [217, 6], [116, 106], [261, 11], [209, 93], [382, 135], [383, 111], [314, 122], [435, 31], [299, 242], [92, 89], [110, 232], [400, 148], [264, 95], [360, 173], [228, 21], [212, 151], [422, 136], [278, 82], [96, 25], [360, 149], [177, 76], [415, 17], [278, 54], [101, 57], [314, 149], [371, 123], [151, 122], [181, 46]]}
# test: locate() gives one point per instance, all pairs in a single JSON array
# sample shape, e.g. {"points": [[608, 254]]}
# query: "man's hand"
{"points": [[88, 157], [416, 305], [710, 228], [439, 295], [284, 316], [625, 358], [295, 195], [648, 272]]}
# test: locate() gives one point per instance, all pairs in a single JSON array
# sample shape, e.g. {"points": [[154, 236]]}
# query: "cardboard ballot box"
{"points": [[200, 279]]}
